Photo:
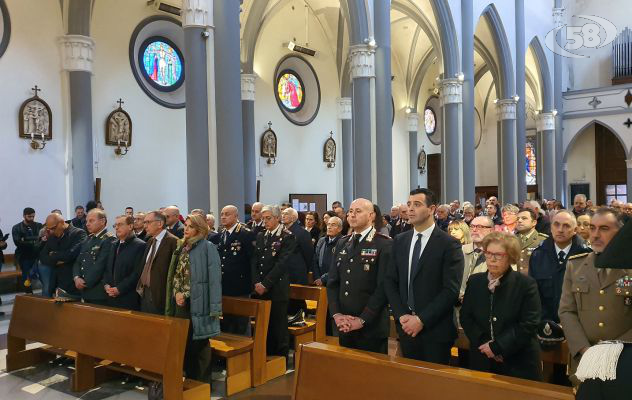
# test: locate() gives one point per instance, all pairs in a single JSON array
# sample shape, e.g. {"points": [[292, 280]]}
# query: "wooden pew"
{"points": [[358, 375], [245, 356], [315, 330], [99, 337]]}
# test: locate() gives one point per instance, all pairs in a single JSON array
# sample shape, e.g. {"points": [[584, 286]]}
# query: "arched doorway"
{"points": [[610, 166]]}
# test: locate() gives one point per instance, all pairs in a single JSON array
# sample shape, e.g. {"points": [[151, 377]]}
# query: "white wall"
{"points": [[153, 173], [299, 165], [32, 178], [581, 161]]}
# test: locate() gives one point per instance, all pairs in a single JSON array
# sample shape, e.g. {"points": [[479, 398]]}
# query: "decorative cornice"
{"points": [[77, 52], [545, 122], [451, 91], [413, 122], [506, 109], [362, 61], [195, 13], [344, 107], [558, 16], [248, 86]]}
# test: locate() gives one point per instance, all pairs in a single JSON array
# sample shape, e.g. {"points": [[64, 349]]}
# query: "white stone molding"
{"points": [[77, 52], [506, 109], [344, 107], [545, 122], [565, 167], [558, 16], [195, 13], [451, 91], [362, 59], [248, 86], [628, 163], [413, 122]]}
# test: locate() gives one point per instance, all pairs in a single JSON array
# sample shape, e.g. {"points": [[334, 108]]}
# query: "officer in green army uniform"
{"points": [[90, 264], [596, 304], [528, 236]]}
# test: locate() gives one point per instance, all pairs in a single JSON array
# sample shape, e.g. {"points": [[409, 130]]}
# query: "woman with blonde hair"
{"points": [[501, 312], [194, 292], [459, 230]]}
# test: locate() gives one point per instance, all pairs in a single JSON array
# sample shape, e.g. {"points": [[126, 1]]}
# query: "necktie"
{"points": [[225, 236], [414, 261], [356, 240], [561, 257], [144, 277]]}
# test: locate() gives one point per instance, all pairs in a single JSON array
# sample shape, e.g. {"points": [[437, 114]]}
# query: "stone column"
{"points": [[558, 18], [362, 61], [230, 137], [248, 120], [545, 125], [413, 148], [451, 98], [467, 61], [77, 55], [508, 190], [628, 163], [564, 185], [521, 127], [344, 106], [195, 20], [383, 104]]}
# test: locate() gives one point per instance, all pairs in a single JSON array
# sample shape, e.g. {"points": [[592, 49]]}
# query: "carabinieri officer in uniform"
{"points": [[357, 300]]}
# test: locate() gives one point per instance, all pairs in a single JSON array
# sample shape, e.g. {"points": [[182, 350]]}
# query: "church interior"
{"points": [[242, 108]]}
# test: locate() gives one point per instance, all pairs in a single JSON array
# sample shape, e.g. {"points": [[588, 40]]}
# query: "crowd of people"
{"points": [[516, 277]]}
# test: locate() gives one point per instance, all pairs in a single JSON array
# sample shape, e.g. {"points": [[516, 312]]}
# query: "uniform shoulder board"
{"points": [[378, 234], [345, 237], [287, 231], [243, 226], [544, 235], [576, 256], [108, 235]]}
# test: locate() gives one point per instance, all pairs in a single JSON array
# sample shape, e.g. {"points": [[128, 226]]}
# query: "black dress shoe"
{"points": [[297, 319]]}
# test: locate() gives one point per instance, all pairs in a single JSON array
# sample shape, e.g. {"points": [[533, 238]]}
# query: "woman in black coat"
{"points": [[501, 312], [124, 266]]}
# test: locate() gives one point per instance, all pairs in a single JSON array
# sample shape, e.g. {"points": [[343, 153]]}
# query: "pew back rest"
{"points": [[151, 342], [361, 375], [319, 295]]}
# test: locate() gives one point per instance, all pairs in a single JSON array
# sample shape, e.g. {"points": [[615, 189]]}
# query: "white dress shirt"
{"points": [[425, 235], [158, 239]]}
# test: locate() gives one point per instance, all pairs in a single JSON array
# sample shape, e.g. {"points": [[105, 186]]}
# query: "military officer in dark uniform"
{"points": [[529, 237], [270, 276], [355, 292], [90, 265], [234, 244], [256, 222]]}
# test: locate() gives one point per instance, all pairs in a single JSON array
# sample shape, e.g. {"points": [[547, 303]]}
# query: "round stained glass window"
{"points": [[161, 63], [430, 121], [290, 91]]}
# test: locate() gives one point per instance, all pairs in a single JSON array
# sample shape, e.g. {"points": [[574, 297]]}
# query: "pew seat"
{"points": [[314, 328]]}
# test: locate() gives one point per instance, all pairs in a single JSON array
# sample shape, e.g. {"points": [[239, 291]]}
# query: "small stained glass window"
{"points": [[290, 91], [162, 63], [430, 121], [530, 161]]}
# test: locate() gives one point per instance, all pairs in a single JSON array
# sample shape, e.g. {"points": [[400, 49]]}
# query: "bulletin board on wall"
{"points": [[309, 202]]}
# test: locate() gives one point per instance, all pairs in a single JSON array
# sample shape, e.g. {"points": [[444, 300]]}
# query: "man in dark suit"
{"points": [[256, 223], [304, 251], [355, 285], [139, 227], [174, 226], [79, 220], [422, 283], [152, 285], [90, 265], [402, 224], [234, 244], [270, 276], [124, 265]]}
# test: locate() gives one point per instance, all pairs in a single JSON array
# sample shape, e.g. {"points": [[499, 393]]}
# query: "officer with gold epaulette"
{"points": [[235, 246], [357, 300], [90, 265], [596, 302], [529, 237]]}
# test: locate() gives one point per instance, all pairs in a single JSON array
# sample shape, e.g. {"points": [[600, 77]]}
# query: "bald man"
{"points": [[256, 222], [62, 244], [355, 290], [174, 226]]}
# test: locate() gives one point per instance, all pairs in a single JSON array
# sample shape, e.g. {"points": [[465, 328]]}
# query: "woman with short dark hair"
{"points": [[312, 223], [501, 312]]}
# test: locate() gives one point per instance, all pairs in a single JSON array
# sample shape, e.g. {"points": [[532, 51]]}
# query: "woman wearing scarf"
{"points": [[501, 312], [194, 292]]}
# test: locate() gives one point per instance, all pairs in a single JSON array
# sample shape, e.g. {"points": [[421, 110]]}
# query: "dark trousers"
{"points": [[197, 356], [29, 269], [147, 305], [359, 341], [278, 342], [236, 324], [65, 280], [422, 349]]}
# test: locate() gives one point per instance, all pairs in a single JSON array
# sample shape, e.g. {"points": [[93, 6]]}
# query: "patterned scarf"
{"points": [[493, 282]]}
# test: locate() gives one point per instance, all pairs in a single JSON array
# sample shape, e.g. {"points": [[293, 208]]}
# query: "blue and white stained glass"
{"points": [[162, 63]]}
